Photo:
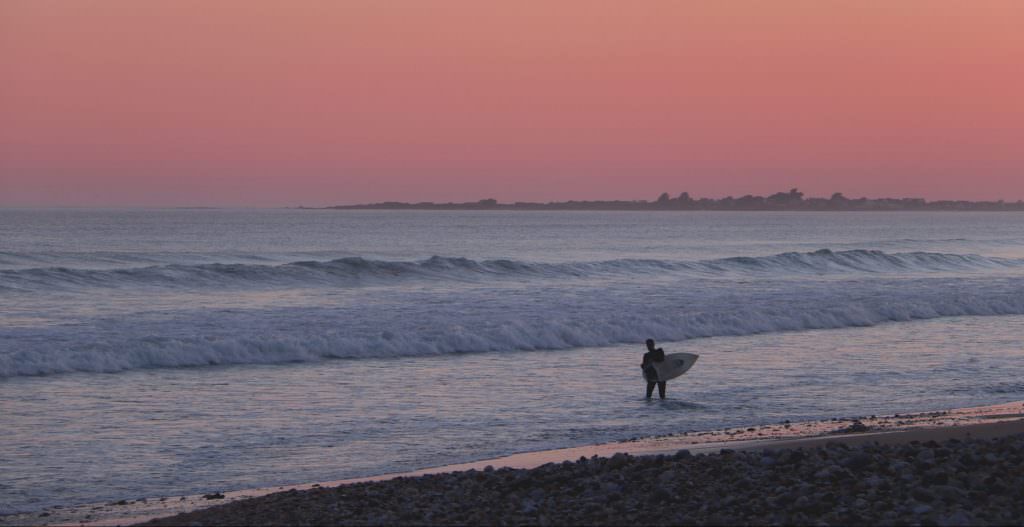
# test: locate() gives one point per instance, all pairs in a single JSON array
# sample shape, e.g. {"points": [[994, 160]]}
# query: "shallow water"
{"points": [[82, 438], [439, 359]]}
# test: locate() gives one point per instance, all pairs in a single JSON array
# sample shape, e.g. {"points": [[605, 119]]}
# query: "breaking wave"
{"points": [[354, 271], [469, 321]]}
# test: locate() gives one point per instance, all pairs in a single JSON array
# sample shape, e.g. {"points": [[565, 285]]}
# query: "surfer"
{"points": [[653, 355]]}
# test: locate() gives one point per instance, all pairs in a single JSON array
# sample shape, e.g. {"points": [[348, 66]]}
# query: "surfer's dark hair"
{"points": [[650, 342]]}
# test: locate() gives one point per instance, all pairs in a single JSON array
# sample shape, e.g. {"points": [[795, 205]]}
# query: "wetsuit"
{"points": [[651, 374]]}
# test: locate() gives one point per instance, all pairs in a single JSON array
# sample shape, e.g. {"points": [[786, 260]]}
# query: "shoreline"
{"points": [[991, 421]]}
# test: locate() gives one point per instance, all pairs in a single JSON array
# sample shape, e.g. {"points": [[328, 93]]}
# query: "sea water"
{"points": [[161, 352]]}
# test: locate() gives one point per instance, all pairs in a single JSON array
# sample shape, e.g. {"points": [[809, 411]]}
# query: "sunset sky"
{"points": [[274, 103]]}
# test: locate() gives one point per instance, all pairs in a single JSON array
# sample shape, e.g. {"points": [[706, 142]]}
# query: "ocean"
{"points": [[148, 353]]}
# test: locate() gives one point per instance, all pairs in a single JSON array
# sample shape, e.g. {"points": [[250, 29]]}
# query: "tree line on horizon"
{"points": [[792, 200]]}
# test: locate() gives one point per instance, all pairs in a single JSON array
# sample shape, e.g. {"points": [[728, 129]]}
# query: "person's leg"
{"points": [[650, 388], [661, 389]]}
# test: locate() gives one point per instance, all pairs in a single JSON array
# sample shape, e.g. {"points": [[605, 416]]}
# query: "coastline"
{"points": [[983, 422]]}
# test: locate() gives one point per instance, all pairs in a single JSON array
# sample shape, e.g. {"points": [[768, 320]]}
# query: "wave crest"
{"points": [[478, 320], [354, 271]]}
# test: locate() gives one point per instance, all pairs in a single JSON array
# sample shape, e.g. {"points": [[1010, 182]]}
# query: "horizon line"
{"points": [[494, 202]]}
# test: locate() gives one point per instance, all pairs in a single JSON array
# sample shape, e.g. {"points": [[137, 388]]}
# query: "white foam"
{"points": [[374, 324]]}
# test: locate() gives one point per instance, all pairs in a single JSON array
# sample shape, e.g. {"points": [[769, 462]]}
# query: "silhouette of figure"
{"points": [[653, 355]]}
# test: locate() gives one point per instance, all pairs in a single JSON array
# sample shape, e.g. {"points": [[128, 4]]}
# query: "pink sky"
{"points": [[316, 102]]}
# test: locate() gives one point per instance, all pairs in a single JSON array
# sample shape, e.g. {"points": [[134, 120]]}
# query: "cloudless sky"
{"points": [[317, 102]]}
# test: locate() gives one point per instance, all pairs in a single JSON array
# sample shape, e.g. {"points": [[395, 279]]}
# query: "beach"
{"points": [[150, 365], [952, 482], [907, 468], [409, 262], [413, 262]]}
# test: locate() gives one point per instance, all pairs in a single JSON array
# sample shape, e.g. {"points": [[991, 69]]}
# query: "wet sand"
{"points": [[966, 426]]}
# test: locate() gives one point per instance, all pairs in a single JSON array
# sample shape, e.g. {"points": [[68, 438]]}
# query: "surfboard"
{"points": [[674, 365]]}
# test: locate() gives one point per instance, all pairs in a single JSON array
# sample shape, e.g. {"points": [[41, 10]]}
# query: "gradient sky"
{"points": [[264, 102]]}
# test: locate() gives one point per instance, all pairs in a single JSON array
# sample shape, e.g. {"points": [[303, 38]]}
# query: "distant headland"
{"points": [[792, 200]]}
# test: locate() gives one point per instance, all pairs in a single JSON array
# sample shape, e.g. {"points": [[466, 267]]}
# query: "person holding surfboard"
{"points": [[652, 356], [658, 368]]}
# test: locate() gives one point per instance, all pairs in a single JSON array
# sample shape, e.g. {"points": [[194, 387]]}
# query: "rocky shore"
{"points": [[953, 482]]}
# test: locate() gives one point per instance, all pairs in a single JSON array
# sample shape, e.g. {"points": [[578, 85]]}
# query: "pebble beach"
{"points": [[954, 467], [897, 479]]}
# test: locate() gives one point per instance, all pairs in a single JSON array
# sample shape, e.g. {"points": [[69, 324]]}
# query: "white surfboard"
{"points": [[674, 365]]}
